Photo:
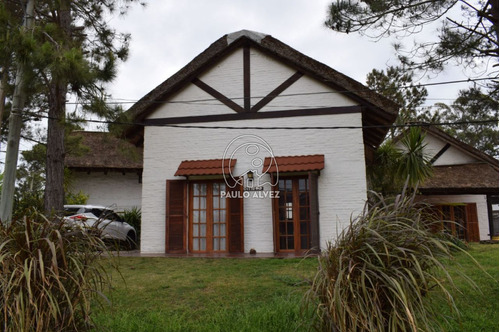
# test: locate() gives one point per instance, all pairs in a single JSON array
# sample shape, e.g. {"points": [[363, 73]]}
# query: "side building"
{"points": [[107, 169]]}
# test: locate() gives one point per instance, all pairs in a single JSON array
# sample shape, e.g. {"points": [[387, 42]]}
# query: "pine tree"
{"points": [[72, 52]]}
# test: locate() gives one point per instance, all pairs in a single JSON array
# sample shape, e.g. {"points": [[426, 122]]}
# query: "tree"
{"points": [[477, 116], [393, 166], [30, 186], [468, 32], [414, 165], [72, 50], [15, 118], [396, 83]]}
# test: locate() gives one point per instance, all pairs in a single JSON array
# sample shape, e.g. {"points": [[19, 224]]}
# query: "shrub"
{"points": [[79, 198], [377, 274], [50, 273], [133, 218]]}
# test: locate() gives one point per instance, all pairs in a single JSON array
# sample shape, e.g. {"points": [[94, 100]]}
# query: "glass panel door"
{"points": [[294, 221], [454, 220], [285, 219], [219, 228], [208, 217], [199, 217]]}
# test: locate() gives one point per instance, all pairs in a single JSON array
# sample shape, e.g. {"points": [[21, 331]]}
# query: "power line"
{"points": [[331, 127], [201, 101], [288, 128]]}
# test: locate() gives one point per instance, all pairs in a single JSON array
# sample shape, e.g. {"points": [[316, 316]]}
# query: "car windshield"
{"points": [[95, 211]]}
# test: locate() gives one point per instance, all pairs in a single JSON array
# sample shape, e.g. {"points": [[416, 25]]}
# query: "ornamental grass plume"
{"points": [[376, 276], [50, 273]]}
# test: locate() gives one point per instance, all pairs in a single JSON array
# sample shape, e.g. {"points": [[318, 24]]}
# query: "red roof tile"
{"points": [[205, 167], [294, 163]]}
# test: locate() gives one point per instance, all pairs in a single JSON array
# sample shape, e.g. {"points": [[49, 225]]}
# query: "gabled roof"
{"points": [[104, 151], [378, 111]]}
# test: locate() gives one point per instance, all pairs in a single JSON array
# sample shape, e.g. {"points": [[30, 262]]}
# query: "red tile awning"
{"points": [[294, 163], [205, 167]]}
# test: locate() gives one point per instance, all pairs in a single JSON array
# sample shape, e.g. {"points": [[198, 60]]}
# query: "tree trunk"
{"points": [[54, 173], [15, 124], [54, 188], [3, 85]]}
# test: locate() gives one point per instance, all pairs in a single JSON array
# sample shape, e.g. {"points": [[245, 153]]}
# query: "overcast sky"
{"points": [[168, 34]]}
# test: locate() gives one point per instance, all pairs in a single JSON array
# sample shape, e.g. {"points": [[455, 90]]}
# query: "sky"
{"points": [[168, 34]]}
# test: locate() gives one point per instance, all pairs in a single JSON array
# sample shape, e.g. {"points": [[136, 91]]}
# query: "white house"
{"points": [[253, 145], [463, 187]]}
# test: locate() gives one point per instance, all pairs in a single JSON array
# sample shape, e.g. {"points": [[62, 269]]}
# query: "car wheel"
{"points": [[131, 241]]}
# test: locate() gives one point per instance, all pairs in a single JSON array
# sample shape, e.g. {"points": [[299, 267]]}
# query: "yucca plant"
{"points": [[133, 217], [377, 275], [50, 273]]}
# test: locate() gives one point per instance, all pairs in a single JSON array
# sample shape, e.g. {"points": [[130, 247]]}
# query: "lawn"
{"points": [[195, 294]]}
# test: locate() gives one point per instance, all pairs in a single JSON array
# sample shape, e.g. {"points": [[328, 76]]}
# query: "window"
{"points": [[293, 217], [460, 220], [208, 217], [454, 220]]}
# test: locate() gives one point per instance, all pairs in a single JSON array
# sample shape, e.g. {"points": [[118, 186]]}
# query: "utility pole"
{"points": [[15, 123]]}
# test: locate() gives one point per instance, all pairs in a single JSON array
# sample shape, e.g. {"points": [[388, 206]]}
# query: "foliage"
{"points": [[50, 274], [468, 31], [379, 272], [477, 116], [382, 172], [79, 198], [71, 50], [414, 165], [396, 83], [133, 218], [393, 167], [30, 184], [26, 201]]}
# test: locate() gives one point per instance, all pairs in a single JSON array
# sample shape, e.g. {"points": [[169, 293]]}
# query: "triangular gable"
{"points": [[247, 97], [446, 150]]}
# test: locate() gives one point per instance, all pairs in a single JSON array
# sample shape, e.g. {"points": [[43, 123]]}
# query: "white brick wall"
{"points": [[121, 191], [342, 186]]}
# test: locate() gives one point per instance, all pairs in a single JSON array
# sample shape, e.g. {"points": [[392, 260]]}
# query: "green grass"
{"points": [[195, 294], [478, 307]]}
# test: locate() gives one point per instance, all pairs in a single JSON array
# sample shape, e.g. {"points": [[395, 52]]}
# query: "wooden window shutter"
{"points": [[175, 235], [235, 213], [472, 223], [314, 210]]}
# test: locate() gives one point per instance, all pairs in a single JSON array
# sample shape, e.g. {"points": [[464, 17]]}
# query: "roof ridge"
{"points": [[253, 35]]}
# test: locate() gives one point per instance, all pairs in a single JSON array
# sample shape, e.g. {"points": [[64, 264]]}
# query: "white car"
{"points": [[109, 222]]}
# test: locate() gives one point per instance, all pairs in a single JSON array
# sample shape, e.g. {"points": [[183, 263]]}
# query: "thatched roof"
{"points": [[103, 151], [477, 178], [377, 110]]}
